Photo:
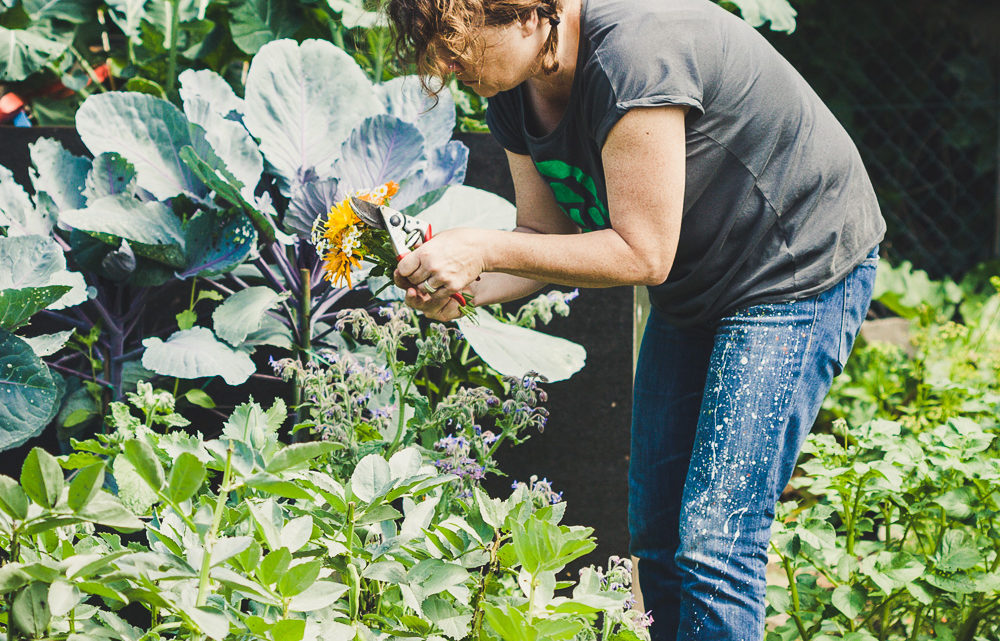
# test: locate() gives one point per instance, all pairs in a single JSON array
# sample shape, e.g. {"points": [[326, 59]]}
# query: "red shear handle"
{"points": [[456, 296]]}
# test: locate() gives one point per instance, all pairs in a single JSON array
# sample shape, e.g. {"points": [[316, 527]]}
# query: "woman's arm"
{"points": [[644, 172]]}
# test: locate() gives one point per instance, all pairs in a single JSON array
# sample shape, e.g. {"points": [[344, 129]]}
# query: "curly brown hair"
{"points": [[434, 33]]}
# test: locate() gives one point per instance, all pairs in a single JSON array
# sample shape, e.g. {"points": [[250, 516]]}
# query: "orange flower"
{"points": [[338, 238]]}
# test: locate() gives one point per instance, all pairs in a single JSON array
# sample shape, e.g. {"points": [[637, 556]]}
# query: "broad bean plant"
{"points": [[244, 537]]}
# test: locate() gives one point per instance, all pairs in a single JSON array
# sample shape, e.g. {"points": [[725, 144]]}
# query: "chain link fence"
{"points": [[917, 85]]}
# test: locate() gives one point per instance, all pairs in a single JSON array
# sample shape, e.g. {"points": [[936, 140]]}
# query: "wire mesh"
{"points": [[917, 85]]}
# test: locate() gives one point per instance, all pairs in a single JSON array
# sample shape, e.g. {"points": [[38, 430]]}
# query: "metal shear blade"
{"points": [[369, 214]]}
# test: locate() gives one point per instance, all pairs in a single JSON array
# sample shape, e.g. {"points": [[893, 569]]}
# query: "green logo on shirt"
{"points": [[576, 194]]}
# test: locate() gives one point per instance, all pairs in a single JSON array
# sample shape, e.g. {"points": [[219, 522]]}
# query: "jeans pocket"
{"points": [[858, 288]]}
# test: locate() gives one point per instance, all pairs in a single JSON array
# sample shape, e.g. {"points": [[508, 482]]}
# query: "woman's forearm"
{"points": [[596, 259], [496, 287]]}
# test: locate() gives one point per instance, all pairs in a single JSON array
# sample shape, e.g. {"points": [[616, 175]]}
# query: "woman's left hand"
{"points": [[447, 263]]}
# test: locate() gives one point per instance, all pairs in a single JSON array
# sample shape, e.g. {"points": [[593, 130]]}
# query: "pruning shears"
{"points": [[406, 233]]}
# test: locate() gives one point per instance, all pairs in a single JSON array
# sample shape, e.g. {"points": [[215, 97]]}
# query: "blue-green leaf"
{"points": [[151, 227], [383, 148], [404, 97], [315, 88], [17, 212], [215, 245], [212, 88], [243, 313], [58, 173], [110, 174], [196, 353], [258, 22], [147, 131]]}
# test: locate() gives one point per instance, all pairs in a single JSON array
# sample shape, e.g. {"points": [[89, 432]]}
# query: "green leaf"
{"points": [[434, 575], [958, 552], [25, 51], [779, 13], [298, 453], [144, 459], [212, 622], [274, 566], [277, 486], [296, 533], [195, 353], [13, 500], [312, 87], [227, 547], [63, 597], [446, 617], [321, 594], [243, 312], [509, 623], [186, 319], [104, 509], [85, 486], [849, 600], [42, 478], [258, 22], [298, 578], [289, 630], [151, 227], [198, 397], [29, 391], [17, 306], [493, 511], [186, 476], [134, 492], [371, 478], [12, 577], [30, 611]]}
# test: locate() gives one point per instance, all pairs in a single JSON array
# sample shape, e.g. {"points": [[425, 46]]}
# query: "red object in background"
{"points": [[11, 103]]}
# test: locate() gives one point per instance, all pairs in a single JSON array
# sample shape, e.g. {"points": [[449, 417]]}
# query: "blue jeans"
{"points": [[719, 417]]}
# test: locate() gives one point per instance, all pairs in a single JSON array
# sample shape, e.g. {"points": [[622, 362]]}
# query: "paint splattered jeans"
{"points": [[719, 416]]}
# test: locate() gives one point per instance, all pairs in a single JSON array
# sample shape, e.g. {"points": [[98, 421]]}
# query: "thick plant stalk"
{"points": [[175, 24], [220, 503], [305, 341]]}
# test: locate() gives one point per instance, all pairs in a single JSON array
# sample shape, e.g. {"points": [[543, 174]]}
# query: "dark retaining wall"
{"points": [[584, 449]]}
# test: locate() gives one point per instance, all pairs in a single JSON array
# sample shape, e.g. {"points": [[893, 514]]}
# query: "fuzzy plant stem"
{"points": [[794, 588], [13, 554], [220, 504], [305, 342]]}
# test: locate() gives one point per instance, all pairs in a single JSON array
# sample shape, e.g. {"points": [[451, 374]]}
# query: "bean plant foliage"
{"points": [[365, 534], [894, 527], [214, 205]]}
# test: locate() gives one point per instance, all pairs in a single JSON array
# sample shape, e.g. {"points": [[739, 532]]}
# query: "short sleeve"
{"points": [[505, 120], [662, 71]]}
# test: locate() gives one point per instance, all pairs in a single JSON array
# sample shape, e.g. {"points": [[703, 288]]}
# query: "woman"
{"points": [[701, 165]]}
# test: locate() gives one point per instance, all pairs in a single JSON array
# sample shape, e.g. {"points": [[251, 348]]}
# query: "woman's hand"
{"points": [[447, 264]]}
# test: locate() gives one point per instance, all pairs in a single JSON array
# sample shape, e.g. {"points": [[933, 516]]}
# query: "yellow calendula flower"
{"points": [[338, 238]]}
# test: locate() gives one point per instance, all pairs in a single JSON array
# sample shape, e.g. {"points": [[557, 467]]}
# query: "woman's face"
{"points": [[509, 56]]}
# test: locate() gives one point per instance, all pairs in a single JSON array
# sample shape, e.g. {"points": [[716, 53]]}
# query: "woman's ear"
{"points": [[530, 23]]}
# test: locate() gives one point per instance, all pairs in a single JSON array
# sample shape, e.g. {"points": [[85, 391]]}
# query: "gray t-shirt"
{"points": [[777, 203]]}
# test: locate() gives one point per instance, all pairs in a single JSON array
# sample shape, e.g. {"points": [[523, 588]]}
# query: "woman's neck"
{"points": [[556, 87]]}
